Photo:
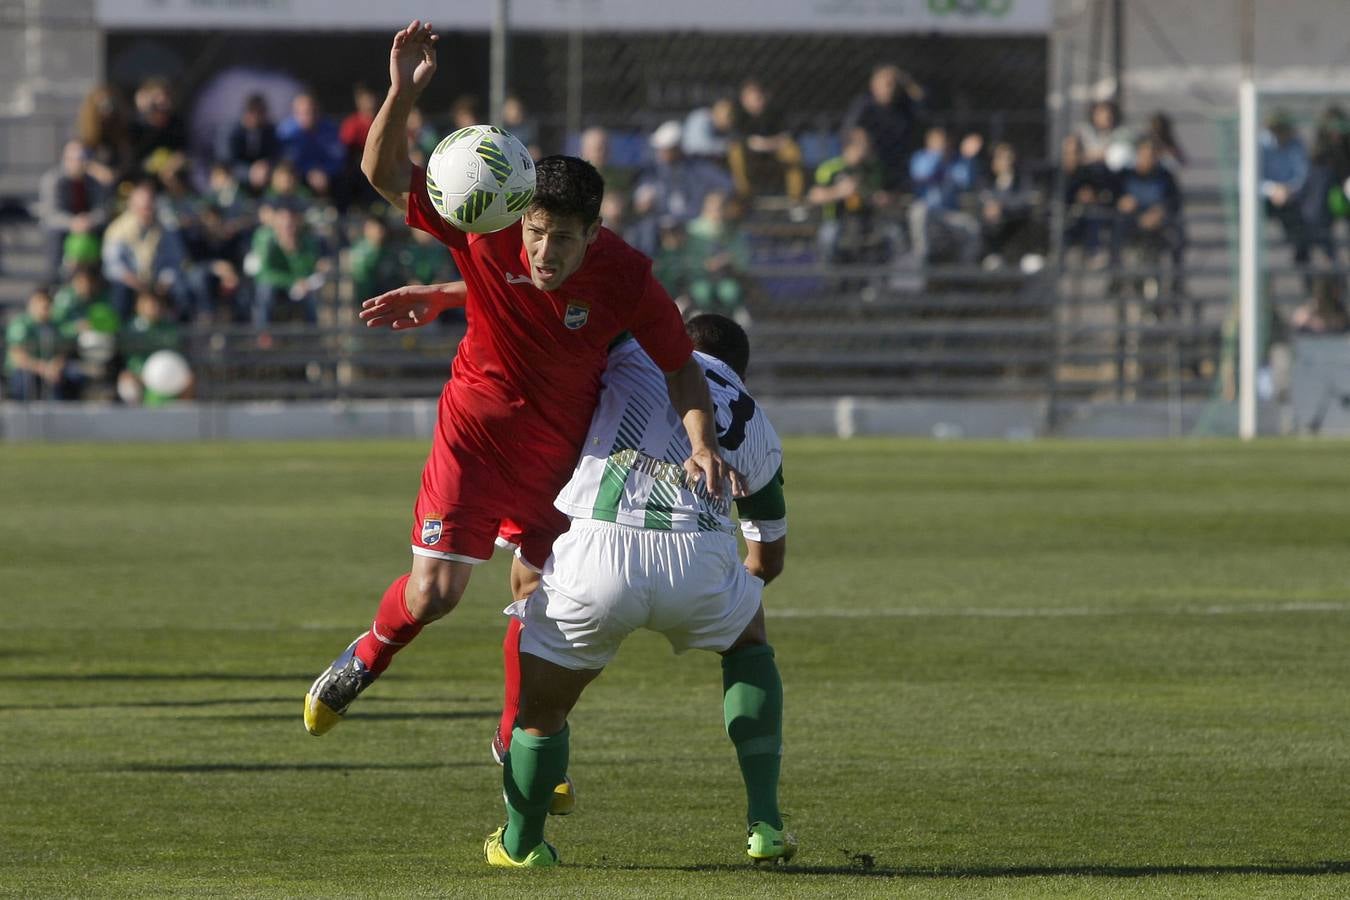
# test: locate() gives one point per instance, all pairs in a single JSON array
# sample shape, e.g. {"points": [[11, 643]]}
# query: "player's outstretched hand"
{"points": [[713, 470], [412, 59], [406, 307]]}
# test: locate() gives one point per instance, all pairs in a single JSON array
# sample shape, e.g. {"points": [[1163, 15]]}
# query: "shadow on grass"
{"points": [[304, 677], [216, 768], [363, 715], [1329, 867]]}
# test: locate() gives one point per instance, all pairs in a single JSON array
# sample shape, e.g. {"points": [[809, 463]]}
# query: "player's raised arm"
{"points": [[689, 395], [412, 62]]}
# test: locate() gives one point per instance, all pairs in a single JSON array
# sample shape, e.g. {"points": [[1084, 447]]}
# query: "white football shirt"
{"points": [[631, 469]]}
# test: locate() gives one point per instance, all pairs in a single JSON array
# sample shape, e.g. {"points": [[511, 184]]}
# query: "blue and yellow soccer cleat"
{"points": [[542, 857], [334, 690], [768, 844]]}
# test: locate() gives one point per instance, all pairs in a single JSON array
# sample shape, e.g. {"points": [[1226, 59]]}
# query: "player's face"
{"points": [[556, 246]]}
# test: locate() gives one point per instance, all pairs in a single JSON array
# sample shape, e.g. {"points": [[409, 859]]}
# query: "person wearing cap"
{"points": [[674, 186]]}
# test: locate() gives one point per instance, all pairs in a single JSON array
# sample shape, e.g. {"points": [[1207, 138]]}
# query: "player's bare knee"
{"points": [[431, 595]]}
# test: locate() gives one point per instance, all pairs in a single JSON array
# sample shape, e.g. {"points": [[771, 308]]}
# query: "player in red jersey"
{"points": [[545, 298]]}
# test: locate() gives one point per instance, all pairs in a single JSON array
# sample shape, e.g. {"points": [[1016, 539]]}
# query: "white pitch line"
{"points": [[1065, 612]]}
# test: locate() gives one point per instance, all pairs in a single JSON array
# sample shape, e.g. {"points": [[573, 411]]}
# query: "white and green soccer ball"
{"points": [[480, 179]]}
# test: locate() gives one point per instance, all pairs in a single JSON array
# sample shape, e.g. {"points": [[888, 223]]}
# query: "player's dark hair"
{"points": [[568, 186], [722, 338]]}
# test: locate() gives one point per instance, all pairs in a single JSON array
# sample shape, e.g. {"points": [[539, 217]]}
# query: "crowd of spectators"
{"points": [[277, 214]]}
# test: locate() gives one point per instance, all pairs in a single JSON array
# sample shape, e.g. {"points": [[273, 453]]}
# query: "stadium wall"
{"points": [[844, 417]]}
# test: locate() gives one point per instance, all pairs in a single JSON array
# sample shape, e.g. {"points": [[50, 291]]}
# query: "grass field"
{"points": [[1066, 670]]}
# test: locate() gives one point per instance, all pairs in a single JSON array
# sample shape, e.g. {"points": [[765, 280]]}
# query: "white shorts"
{"points": [[605, 581]]}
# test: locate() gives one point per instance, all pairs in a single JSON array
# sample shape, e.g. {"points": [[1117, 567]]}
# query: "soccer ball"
{"points": [[480, 179], [166, 373]]}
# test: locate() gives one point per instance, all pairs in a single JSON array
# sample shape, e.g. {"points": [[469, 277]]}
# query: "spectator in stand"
{"points": [[849, 191], [1006, 206], [179, 203], [594, 148], [422, 138], [141, 254], [464, 112], [1150, 208], [309, 141], [942, 182], [674, 187], [84, 304], [37, 358], [291, 269], [71, 201], [1284, 176], [1163, 135], [671, 262], [374, 260], [764, 157], [718, 255], [102, 128], [1090, 193], [352, 133], [1320, 201], [148, 332], [217, 244], [1105, 139], [424, 260], [889, 112], [157, 128], [709, 130], [250, 146], [517, 120], [82, 311]]}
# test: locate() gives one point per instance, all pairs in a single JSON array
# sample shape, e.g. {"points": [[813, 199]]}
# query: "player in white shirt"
{"points": [[647, 549]]}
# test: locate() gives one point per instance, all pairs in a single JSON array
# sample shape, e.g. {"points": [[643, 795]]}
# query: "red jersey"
{"points": [[528, 369]]}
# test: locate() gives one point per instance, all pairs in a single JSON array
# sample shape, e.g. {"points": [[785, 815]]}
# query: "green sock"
{"points": [[534, 767], [752, 703]]}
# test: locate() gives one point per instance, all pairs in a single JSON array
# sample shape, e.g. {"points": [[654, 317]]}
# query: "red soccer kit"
{"points": [[524, 383]]}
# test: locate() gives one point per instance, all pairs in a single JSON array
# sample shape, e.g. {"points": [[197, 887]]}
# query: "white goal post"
{"points": [[1252, 100]]}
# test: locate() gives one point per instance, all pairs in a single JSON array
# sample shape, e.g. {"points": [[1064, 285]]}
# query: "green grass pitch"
{"points": [[1028, 670]]}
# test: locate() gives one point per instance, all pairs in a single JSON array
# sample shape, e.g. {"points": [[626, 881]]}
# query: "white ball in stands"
{"points": [[167, 373], [480, 179]]}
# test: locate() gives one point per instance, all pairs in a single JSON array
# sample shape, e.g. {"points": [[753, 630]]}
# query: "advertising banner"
{"points": [[951, 16]]}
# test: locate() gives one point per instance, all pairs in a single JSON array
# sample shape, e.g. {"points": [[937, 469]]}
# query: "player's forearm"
{"points": [[689, 395], [385, 158]]}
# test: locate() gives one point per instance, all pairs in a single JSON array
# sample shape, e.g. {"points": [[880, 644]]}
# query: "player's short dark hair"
{"points": [[722, 338], [568, 186]]}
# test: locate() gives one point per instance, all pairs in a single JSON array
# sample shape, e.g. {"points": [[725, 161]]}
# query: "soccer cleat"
{"points": [[564, 799], [542, 857], [334, 690], [768, 844], [498, 747]]}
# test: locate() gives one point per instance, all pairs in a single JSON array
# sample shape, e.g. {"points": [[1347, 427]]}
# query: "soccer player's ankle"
{"points": [[393, 629]]}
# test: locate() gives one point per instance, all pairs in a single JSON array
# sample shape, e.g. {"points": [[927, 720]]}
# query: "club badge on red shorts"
{"points": [[431, 529], [576, 315]]}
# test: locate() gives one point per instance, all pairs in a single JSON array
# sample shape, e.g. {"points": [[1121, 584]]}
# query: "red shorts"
{"points": [[473, 495]]}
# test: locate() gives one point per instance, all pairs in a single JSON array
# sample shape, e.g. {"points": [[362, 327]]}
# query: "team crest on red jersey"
{"points": [[431, 530], [576, 315]]}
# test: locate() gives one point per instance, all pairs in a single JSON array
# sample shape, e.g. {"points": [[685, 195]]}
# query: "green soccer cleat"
{"points": [[544, 856], [334, 690], [768, 844]]}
